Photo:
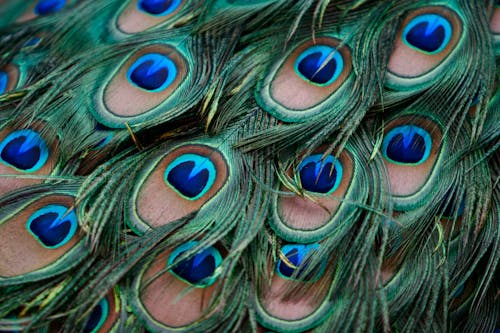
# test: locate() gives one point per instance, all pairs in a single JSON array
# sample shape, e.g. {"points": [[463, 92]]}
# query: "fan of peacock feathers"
{"points": [[249, 166]]}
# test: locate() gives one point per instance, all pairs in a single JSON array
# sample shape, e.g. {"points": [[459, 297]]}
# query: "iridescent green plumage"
{"points": [[227, 166]]}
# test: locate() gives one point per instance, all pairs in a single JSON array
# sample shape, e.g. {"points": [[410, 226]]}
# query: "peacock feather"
{"points": [[249, 166]]}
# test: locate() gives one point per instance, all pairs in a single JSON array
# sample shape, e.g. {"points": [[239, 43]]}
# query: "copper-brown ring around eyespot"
{"points": [[157, 204], [407, 62], [293, 92], [123, 99], [131, 20]]}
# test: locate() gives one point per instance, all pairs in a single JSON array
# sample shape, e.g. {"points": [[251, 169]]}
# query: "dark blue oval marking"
{"points": [[53, 225], [407, 144], [4, 81], [153, 72], [191, 175], [320, 174], [97, 317], [33, 41], [320, 64], [429, 33], [46, 7], [299, 257], [199, 269], [24, 150], [158, 7]]}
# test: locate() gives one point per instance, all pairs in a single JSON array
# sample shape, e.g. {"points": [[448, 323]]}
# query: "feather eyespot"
{"points": [[320, 64], [141, 15], [47, 7], [193, 276], [298, 257], [298, 86], [106, 315], [412, 149], [24, 150], [278, 307], [319, 174], [183, 180], [97, 317], [152, 72], [53, 225], [429, 33], [9, 77], [407, 144], [158, 7], [197, 270], [191, 175], [47, 228], [145, 81], [423, 45], [313, 216]]}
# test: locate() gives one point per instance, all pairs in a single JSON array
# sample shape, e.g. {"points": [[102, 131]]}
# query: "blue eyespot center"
{"points": [[191, 175], [320, 174], [407, 144], [46, 7], [296, 266], [153, 72], [33, 41], [97, 317], [320, 64], [4, 81], [429, 33], [198, 269], [24, 150], [53, 225], [158, 7]]}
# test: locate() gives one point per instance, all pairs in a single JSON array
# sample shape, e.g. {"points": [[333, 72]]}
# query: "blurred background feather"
{"points": [[249, 166]]}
